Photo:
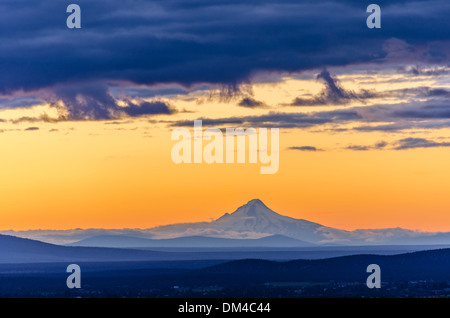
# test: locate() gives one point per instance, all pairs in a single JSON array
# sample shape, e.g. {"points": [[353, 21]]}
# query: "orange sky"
{"points": [[93, 174]]}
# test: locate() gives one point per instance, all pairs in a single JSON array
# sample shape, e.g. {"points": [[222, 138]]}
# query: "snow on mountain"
{"points": [[252, 220]]}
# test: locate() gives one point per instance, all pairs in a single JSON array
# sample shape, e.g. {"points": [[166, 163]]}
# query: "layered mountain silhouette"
{"points": [[252, 221], [190, 242], [423, 265], [20, 250]]}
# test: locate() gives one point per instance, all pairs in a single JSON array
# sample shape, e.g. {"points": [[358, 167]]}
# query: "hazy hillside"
{"points": [[424, 265], [19, 250], [190, 242]]}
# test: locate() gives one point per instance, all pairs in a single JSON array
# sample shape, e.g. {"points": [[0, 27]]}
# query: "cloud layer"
{"points": [[202, 41]]}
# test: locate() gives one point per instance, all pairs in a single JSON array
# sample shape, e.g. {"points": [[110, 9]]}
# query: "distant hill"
{"points": [[422, 274], [424, 265], [19, 250], [190, 242]]}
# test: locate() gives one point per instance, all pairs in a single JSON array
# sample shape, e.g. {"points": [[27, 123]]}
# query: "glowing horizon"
{"points": [[119, 174], [87, 112]]}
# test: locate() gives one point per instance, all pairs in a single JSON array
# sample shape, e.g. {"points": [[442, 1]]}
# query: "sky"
{"points": [[86, 115]]}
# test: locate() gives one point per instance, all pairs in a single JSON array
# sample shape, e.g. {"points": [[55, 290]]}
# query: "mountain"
{"points": [[253, 220], [190, 242], [256, 217], [19, 250], [423, 265], [14, 250]]}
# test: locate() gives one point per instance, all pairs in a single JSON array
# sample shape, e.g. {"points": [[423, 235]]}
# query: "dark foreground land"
{"points": [[418, 274]]}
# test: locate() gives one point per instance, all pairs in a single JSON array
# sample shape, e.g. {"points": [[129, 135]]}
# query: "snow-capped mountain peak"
{"points": [[252, 209], [256, 217]]}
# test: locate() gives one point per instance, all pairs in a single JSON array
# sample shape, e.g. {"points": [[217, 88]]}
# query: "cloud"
{"points": [[250, 103], [147, 108], [405, 125], [381, 144], [432, 113], [93, 101], [333, 94], [412, 143], [402, 144], [85, 102], [42, 118], [18, 102], [219, 42], [378, 145], [305, 148], [438, 92], [420, 70], [358, 147], [418, 92], [280, 120], [427, 110]]}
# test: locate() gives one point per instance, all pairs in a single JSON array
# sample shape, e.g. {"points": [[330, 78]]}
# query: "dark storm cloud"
{"points": [[18, 102], [207, 41], [86, 101], [333, 94]]}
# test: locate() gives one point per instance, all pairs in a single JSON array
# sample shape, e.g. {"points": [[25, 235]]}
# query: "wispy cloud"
{"points": [[412, 143], [402, 144], [425, 71], [333, 94], [281, 120], [305, 148], [378, 145], [250, 102], [93, 101]]}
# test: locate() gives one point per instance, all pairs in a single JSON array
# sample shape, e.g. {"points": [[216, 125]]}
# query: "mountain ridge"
{"points": [[253, 220], [190, 242]]}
